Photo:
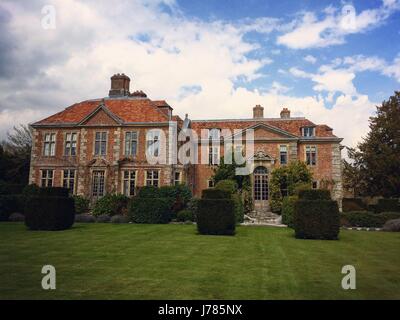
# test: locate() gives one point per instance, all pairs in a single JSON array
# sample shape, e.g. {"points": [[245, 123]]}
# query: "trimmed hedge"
{"points": [[353, 204], [49, 213], [288, 210], [227, 185], [150, 210], [316, 219], [184, 215], [231, 187], [54, 192], [367, 219], [238, 208], [10, 188], [110, 204], [216, 216], [388, 205], [9, 204], [314, 194], [212, 193]]}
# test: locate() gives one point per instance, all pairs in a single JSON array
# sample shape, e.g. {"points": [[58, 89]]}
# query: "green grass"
{"points": [[105, 261]]}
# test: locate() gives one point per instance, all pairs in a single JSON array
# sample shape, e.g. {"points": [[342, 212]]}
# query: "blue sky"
{"points": [[330, 61]]}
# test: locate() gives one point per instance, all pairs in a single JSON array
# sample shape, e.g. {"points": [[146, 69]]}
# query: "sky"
{"points": [[330, 61]]}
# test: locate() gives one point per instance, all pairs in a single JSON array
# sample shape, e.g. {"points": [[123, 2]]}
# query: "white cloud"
{"points": [[309, 58]]}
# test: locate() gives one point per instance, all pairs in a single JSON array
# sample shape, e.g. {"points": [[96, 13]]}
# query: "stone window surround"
{"points": [[94, 143], [47, 177], [70, 141], [74, 178], [50, 142], [152, 179], [137, 142], [129, 180]]}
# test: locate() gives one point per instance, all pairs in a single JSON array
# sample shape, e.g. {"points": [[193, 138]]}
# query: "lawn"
{"points": [[106, 261]]}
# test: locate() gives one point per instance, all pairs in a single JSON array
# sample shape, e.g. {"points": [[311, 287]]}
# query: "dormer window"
{"points": [[308, 131], [214, 134]]}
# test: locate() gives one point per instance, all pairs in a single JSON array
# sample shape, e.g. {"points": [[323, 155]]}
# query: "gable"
{"points": [[266, 133], [99, 118]]}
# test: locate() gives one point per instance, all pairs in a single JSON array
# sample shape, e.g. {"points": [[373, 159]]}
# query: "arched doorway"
{"points": [[260, 187]]}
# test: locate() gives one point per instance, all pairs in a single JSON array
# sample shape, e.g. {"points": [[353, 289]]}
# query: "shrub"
{"points": [[212, 193], [288, 210], [316, 219], [193, 207], [372, 208], [150, 210], [227, 185], [119, 218], [180, 193], [367, 219], [54, 192], [31, 190], [238, 208], [84, 217], [392, 225], [110, 204], [10, 188], [314, 194], [388, 205], [353, 204], [216, 217], [16, 217], [9, 204], [185, 215], [81, 204], [103, 218], [148, 192], [49, 213]]}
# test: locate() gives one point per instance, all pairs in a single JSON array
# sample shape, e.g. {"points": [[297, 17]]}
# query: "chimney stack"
{"points": [[119, 85], [258, 112], [285, 113]]}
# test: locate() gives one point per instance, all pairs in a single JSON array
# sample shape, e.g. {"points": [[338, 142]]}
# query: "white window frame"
{"points": [[213, 157], [70, 143], [100, 141], [129, 182], [47, 178], [49, 151], [153, 143], [281, 151], [177, 181], [146, 178], [98, 195], [309, 148], [128, 143], [68, 179], [305, 131]]}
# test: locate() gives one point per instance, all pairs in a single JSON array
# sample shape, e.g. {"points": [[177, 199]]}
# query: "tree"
{"points": [[16, 153], [374, 166]]}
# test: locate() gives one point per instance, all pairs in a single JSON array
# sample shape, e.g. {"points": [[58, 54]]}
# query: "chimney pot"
{"points": [[285, 113], [258, 112], [119, 85]]}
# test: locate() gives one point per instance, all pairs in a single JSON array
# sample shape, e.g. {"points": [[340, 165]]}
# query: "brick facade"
{"points": [[124, 112]]}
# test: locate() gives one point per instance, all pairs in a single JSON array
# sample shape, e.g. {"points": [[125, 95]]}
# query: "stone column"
{"points": [[82, 189], [293, 151], [337, 190], [34, 151], [116, 157]]}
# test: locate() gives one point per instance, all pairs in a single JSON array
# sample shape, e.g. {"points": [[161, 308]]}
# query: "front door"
{"points": [[260, 188]]}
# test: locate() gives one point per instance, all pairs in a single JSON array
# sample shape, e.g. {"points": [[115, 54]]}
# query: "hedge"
{"points": [[81, 204], [110, 204], [150, 210], [288, 210], [314, 194], [227, 185], [212, 193], [49, 213], [9, 204], [316, 219], [353, 204], [10, 188], [185, 215], [367, 219], [216, 217], [388, 205]]}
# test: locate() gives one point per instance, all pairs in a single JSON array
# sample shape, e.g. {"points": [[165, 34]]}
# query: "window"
{"points": [[130, 143], [47, 178], [311, 155], [177, 178], [49, 144], [153, 143], [213, 155], [308, 131], [283, 154], [98, 183], [70, 144], [315, 184], [100, 144], [210, 183], [129, 182], [214, 134], [69, 180], [152, 178]]}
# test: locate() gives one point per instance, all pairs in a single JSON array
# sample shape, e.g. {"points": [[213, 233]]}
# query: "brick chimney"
{"points": [[119, 85], [258, 112], [285, 113]]}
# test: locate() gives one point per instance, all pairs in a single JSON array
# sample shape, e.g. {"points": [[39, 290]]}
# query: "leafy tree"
{"points": [[374, 166]]}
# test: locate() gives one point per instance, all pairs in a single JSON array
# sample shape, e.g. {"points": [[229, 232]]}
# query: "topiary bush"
{"points": [[110, 204], [81, 204], [388, 205], [16, 217], [288, 210], [230, 186], [119, 218], [49, 213], [314, 194], [212, 193], [54, 192], [150, 210], [184, 215], [316, 219], [227, 185], [367, 219], [85, 218], [103, 218], [353, 204], [216, 216]]}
